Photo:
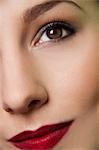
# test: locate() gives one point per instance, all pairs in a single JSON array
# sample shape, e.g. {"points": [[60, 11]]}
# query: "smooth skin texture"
{"points": [[45, 81]]}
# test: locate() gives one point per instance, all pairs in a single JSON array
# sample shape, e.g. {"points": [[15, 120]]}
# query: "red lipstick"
{"points": [[43, 138]]}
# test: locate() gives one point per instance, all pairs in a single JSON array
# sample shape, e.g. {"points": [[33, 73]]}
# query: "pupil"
{"points": [[54, 33]]}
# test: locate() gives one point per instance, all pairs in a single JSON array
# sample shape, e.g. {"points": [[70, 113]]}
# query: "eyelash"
{"points": [[67, 27]]}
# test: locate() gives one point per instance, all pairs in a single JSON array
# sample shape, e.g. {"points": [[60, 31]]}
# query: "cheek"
{"points": [[80, 88], [76, 92], [71, 79]]}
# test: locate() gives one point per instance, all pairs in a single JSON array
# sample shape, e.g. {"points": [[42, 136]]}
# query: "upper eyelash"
{"points": [[43, 28], [52, 23]]}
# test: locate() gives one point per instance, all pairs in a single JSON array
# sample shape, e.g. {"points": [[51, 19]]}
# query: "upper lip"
{"points": [[44, 130]]}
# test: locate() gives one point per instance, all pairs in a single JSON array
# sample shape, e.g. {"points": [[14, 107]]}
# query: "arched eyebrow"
{"points": [[33, 13]]}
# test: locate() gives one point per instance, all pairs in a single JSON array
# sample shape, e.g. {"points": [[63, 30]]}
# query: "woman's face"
{"points": [[49, 73]]}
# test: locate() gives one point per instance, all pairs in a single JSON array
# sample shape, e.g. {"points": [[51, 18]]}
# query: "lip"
{"points": [[45, 137]]}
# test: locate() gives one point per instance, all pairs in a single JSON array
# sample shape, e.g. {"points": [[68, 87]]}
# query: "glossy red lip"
{"points": [[43, 138]]}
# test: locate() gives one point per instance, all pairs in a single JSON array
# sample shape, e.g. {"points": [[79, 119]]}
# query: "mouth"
{"points": [[45, 137]]}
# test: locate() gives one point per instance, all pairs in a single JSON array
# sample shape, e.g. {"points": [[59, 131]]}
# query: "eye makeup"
{"points": [[68, 20], [54, 32]]}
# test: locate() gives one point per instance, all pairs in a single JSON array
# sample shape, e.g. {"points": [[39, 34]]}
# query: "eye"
{"points": [[53, 32]]}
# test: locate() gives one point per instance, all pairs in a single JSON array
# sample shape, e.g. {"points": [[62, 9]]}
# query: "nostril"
{"points": [[34, 104], [9, 110]]}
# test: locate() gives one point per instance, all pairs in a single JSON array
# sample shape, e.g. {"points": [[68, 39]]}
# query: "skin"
{"points": [[52, 82]]}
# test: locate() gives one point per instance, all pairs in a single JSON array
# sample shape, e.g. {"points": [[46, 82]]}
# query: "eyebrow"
{"points": [[39, 9]]}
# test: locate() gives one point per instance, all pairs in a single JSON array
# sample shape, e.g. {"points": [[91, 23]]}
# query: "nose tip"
{"points": [[25, 104], [25, 108]]}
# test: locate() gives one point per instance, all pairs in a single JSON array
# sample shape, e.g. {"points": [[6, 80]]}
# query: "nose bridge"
{"points": [[20, 86], [19, 81], [14, 70], [15, 61], [16, 75]]}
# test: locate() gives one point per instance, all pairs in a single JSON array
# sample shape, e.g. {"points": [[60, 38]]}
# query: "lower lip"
{"points": [[43, 143]]}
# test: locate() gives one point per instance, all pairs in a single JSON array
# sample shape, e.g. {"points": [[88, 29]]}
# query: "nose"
{"points": [[21, 88], [24, 102]]}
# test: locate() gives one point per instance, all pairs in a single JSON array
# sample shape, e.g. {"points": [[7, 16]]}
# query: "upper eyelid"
{"points": [[44, 27], [69, 26]]}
